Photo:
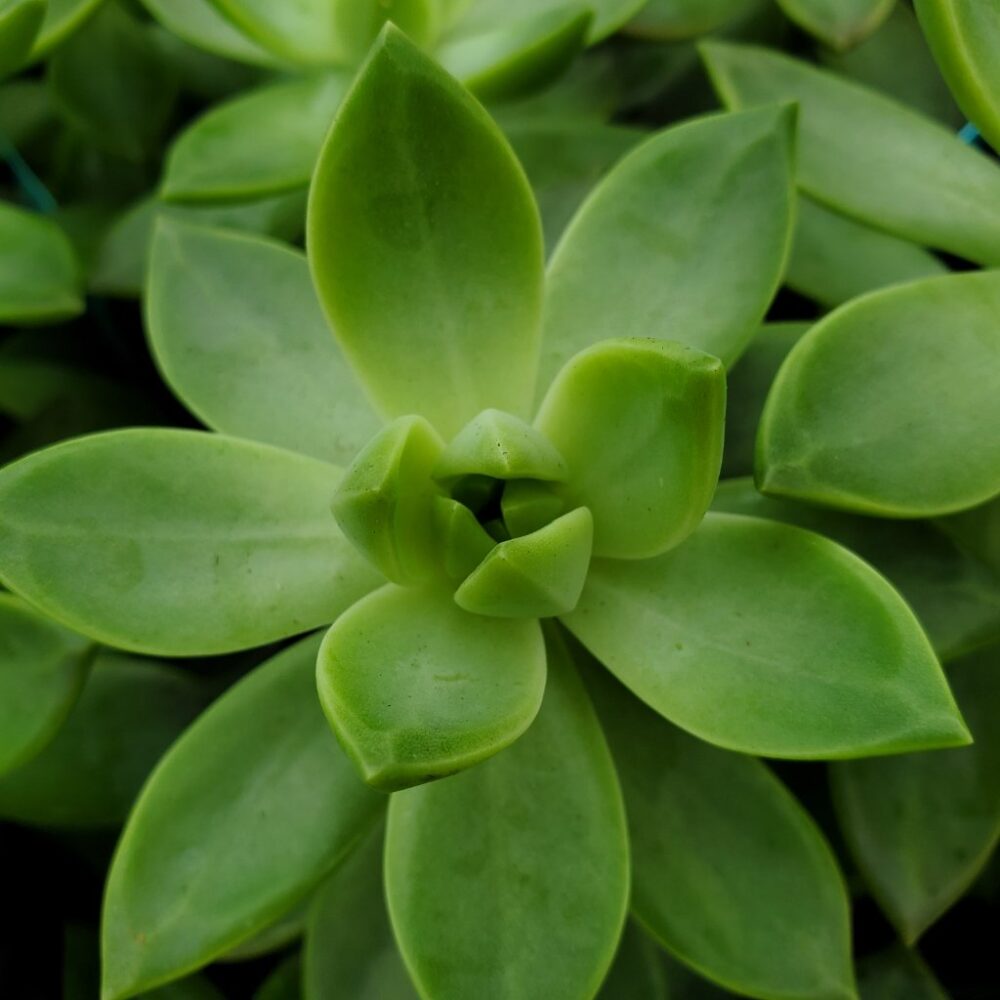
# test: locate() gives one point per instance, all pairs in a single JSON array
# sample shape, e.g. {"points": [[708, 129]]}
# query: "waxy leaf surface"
{"points": [[20, 21], [891, 405], [977, 531], [302, 32], [42, 669], [239, 336], [205, 860], [129, 712], [480, 16], [425, 244], [62, 17], [640, 424], [528, 847], [659, 247], [728, 871], [767, 639], [177, 542], [922, 826], [416, 688], [838, 23], [870, 157], [669, 20]]}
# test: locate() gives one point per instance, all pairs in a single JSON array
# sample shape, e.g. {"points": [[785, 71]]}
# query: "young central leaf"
{"points": [[416, 688]]}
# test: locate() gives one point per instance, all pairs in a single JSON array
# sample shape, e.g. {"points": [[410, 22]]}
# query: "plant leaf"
{"points": [[357, 23], [728, 871], [261, 142], [835, 259], [659, 247], [42, 669], [639, 423], [955, 597], [39, 279], [129, 712], [840, 24], [433, 291], [671, 20], [897, 974], [20, 21], [259, 770], [964, 37], [62, 18], [849, 421], [177, 542], [303, 32], [284, 982], [237, 333], [977, 531], [922, 826], [349, 949], [530, 846], [767, 639], [637, 972], [416, 688], [868, 156], [487, 15]]}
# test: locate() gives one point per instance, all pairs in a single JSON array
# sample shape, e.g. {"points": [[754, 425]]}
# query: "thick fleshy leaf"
{"points": [[357, 23], [349, 949], [284, 982], [481, 16], [527, 505], [767, 639], [538, 575], [177, 542], [42, 669], [922, 826], [897, 974], [111, 79], [669, 20], [835, 258], [259, 770], [659, 247], [977, 531], [39, 279], [129, 712], [838, 23], [891, 405], [637, 972], [520, 57], [870, 157], [433, 291], [564, 160], [238, 334], [416, 688], [20, 21], [529, 847], [964, 36], [639, 423], [303, 32], [955, 597], [260, 142], [62, 18], [728, 870]]}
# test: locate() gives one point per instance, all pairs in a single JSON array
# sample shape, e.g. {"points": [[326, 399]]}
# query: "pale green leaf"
{"points": [[239, 336], [670, 20], [767, 639], [639, 423], [20, 21], [659, 249], [433, 290], [303, 31], [480, 16], [62, 18], [891, 404], [869, 156], [840, 24], [259, 771], [357, 23], [529, 847], [416, 688], [922, 826], [177, 542]]}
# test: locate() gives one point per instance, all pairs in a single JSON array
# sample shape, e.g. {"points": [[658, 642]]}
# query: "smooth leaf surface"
{"points": [[416, 688], [891, 405], [835, 258], [239, 336], [433, 291], [838, 23], [128, 714], [177, 542], [302, 32], [977, 531], [284, 982], [767, 639], [530, 846], [640, 424], [482, 16], [870, 157], [670, 20], [42, 669], [964, 36], [637, 972], [922, 826], [260, 142], [659, 247], [728, 871], [955, 597], [62, 18], [357, 23], [39, 279], [349, 949], [260, 770], [20, 21], [897, 974]]}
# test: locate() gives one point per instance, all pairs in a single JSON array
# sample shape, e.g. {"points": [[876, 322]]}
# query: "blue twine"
{"points": [[35, 193], [968, 133]]}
